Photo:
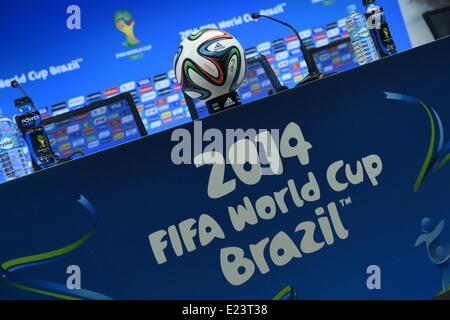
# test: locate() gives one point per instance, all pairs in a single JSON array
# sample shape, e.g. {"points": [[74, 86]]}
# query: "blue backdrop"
{"points": [[135, 190], [35, 37]]}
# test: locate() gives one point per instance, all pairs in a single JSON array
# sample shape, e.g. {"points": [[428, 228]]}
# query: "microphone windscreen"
{"points": [[255, 15], [14, 84]]}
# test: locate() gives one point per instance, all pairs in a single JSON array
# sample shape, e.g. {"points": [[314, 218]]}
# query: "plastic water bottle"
{"points": [[29, 122], [379, 28], [363, 44], [12, 158]]}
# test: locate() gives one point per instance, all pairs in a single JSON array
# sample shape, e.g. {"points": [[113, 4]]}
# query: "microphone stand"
{"points": [[313, 71], [16, 84]]}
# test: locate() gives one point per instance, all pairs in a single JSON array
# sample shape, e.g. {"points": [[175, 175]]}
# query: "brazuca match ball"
{"points": [[209, 63]]}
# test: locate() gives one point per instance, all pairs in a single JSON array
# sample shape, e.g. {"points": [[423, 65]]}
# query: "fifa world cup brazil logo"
{"points": [[41, 140], [124, 22]]}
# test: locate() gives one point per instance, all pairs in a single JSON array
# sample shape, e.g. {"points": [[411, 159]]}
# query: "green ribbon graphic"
{"points": [[51, 289]]}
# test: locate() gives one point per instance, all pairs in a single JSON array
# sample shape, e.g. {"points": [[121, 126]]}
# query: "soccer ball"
{"points": [[209, 63]]}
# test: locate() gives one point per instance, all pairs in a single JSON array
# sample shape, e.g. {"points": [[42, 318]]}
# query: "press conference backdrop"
{"points": [[145, 224], [64, 69]]}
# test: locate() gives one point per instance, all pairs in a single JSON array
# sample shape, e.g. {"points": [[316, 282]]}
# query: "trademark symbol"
{"points": [[345, 202]]}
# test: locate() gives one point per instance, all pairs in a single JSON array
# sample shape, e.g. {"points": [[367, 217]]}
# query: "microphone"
{"points": [[313, 71], [20, 101], [16, 84]]}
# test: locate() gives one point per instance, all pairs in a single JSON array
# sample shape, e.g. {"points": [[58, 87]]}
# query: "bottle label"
{"points": [[385, 36], [360, 33], [40, 151], [28, 120], [9, 142], [30, 124]]}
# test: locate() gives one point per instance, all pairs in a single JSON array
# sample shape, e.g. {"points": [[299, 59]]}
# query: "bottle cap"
{"points": [[351, 7], [22, 101]]}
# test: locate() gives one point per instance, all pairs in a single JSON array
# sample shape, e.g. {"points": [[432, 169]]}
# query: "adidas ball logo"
{"points": [[229, 102], [218, 46]]}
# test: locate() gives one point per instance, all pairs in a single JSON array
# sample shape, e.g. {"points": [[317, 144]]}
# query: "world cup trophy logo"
{"points": [[41, 140], [124, 22]]}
